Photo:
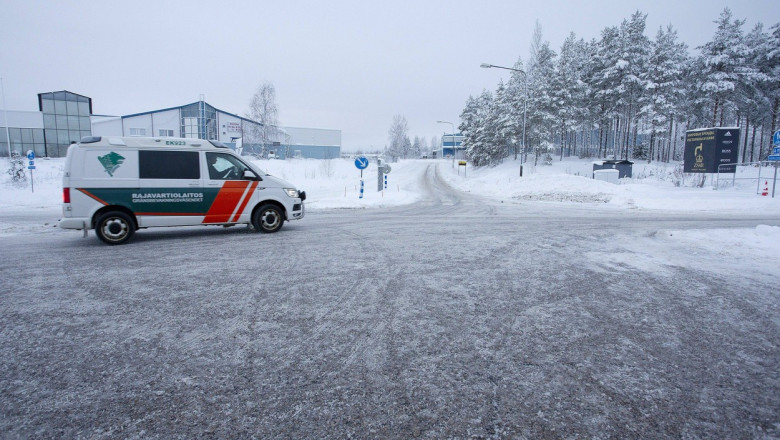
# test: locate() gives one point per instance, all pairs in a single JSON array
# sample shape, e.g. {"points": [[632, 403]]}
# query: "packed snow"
{"points": [[335, 184]]}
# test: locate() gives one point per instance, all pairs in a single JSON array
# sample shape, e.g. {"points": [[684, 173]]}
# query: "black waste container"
{"points": [[623, 166]]}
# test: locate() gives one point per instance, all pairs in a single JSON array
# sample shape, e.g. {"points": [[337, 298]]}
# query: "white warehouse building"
{"points": [[203, 121], [66, 117]]}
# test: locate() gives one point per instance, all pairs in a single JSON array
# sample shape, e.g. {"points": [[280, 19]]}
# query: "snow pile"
{"points": [[733, 252], [335, 183], [654, 187], [730, 244]]}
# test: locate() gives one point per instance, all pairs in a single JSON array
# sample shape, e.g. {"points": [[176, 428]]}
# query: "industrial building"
{"points": [[65, 117], [452, 145]]}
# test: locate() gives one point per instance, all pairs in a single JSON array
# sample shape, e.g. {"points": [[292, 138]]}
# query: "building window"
{"points": [[165, 133], [190, 126], [137, 132], [199, 120]]}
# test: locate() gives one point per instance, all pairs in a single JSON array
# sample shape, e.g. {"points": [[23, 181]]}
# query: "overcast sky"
{"points": [[347, 65]]}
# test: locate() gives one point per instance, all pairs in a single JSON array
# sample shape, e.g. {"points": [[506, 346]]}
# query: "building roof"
{"points": [[186, 105]]}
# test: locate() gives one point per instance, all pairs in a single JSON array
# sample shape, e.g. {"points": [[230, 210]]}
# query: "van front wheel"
{"points": [[114, 227], [268, 218]]}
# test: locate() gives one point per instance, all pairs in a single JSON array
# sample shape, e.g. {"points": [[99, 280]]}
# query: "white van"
{"points": [[116, 185]]}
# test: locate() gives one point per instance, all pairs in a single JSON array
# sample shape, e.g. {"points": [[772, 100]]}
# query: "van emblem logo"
{"points": [[111, 162]]}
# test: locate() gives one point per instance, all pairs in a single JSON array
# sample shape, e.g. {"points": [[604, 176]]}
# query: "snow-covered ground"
{"points": [[335, 184], [550, 305]]}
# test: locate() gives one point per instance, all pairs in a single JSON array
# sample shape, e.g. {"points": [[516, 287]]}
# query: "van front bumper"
{"points": [[298, 211]]}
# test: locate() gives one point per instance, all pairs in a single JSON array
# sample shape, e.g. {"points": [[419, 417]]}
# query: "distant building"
{"points": [[452, 145], [66, 117]]}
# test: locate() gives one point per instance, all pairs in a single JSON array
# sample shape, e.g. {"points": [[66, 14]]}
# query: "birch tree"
{"points": [[262, 109]]}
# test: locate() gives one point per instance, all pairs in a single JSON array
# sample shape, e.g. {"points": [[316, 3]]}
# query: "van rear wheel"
{"points": [[114, 227], [268, 218]]}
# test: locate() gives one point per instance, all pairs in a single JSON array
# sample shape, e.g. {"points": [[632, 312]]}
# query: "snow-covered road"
{"points": [[455, 316]]}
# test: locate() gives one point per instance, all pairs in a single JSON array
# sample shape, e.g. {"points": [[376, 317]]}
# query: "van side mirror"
{"points": [[250, 175]]}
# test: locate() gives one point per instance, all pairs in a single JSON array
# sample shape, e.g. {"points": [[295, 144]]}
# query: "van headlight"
{"points": [[292, 192]]}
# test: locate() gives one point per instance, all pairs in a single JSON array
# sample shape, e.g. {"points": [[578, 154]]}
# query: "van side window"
{"points": [[225, 167], [168, 164]]}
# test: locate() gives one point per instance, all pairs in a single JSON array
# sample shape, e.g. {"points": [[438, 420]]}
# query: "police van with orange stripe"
{"points": [[116, 185]]}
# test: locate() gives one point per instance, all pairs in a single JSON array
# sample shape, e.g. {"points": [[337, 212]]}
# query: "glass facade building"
{"points": [[22, 141], [66, 119]]}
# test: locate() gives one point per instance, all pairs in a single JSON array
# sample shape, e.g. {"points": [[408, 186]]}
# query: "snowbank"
{"points": [[653, 187]]}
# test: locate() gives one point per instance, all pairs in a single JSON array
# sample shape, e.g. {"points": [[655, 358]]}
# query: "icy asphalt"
{"points": [[455, 317]]}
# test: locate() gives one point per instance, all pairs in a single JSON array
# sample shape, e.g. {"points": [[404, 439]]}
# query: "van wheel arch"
{"points": [[106, 209], [262, 216]]}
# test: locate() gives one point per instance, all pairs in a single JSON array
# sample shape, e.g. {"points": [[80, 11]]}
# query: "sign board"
{"points": [[361, 162], [776, 138], [706, 149], [31, 155], [387, 169]]}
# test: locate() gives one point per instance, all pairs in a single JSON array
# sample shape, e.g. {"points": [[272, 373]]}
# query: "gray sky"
{"points": [[348, 65]]}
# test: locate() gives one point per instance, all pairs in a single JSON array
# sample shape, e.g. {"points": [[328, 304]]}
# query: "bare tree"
{"points": [[262, 109], [398, 135]]}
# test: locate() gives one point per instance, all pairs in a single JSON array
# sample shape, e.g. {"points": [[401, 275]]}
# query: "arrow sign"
{"points": [[30, 155], [776, 138], [361, 162]]}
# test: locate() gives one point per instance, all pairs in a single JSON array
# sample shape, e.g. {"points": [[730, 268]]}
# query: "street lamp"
{"points": [[453, 140], [525, 100]]}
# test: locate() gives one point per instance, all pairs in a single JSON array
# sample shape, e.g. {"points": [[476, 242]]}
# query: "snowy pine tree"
{"points": [[663, 82]]}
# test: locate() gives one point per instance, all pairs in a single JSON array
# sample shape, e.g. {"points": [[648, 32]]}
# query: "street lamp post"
{"points": [[525, 100], [453, 140]]}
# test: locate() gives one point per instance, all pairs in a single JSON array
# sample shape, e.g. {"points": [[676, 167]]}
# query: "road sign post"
{"points": [[31, 167], [775, 157], [361, 163]]}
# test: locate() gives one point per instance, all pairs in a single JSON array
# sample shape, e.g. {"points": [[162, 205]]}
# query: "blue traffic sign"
{"points": [[774, 157], [361, 162], [776, 151], [31, 167], [31, 155], [776, 138]]}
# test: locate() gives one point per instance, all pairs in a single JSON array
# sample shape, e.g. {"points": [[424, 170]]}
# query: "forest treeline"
{"points": [[630, 96]]}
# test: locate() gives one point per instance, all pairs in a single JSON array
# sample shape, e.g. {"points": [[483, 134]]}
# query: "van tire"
{"points": [[268, 218], [114, 227]]}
